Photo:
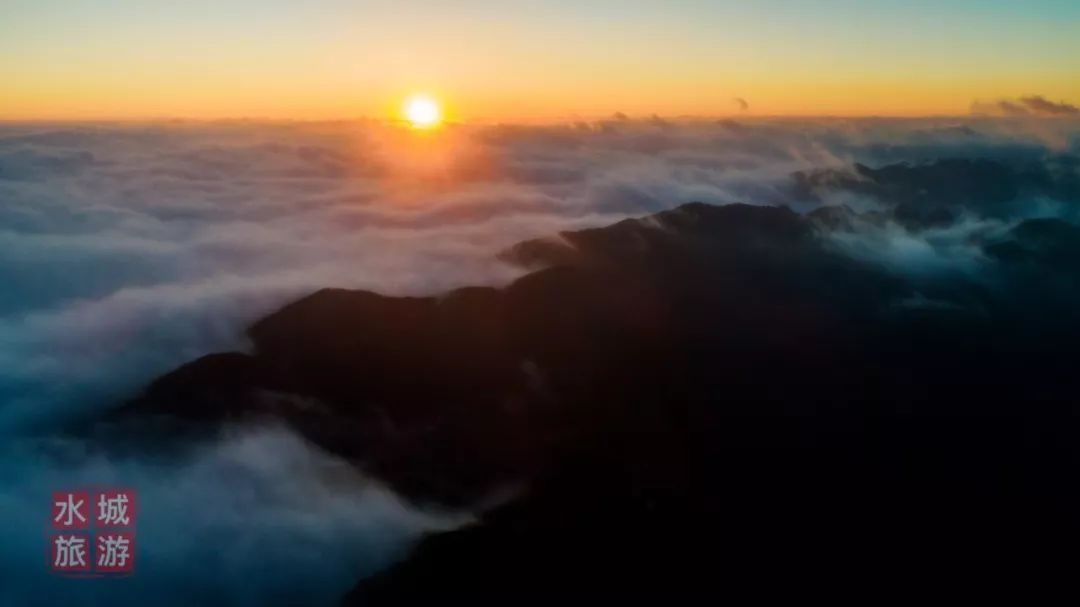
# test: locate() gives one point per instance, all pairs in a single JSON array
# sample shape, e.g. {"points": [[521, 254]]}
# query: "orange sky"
{"points": [[522, 60]]}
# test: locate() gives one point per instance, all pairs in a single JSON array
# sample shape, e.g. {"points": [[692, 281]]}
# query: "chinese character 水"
{"points": [[69, 510]]}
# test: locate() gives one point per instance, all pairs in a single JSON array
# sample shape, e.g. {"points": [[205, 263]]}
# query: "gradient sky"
{"points": [[524, 60]]}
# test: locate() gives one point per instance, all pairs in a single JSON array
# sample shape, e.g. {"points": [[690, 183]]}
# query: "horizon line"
{"points": [[612, 117]]}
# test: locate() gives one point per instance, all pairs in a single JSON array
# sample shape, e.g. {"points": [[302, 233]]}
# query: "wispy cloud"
{"points": [[1032, 105], [254, 517]]}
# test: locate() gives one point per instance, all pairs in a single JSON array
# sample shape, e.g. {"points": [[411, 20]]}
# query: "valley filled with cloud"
{"points": [[132, 248]]}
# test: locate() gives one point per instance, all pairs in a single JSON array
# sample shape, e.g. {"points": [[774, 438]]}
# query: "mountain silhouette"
{"points": [[704, 402]]}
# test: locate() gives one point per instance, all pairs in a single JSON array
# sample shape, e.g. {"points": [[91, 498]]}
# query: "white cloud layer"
{"points": [[126, 250], [256, 517], [130, 249]]}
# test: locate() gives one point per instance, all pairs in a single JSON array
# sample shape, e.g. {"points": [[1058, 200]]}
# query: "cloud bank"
{"points": [[130, 249], [254, 517]]}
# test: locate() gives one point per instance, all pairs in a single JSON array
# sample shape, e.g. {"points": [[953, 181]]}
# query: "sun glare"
{"points": [[422, 112]]}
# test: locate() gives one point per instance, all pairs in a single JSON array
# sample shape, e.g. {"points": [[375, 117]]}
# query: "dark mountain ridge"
{"points": [[706, 400]]}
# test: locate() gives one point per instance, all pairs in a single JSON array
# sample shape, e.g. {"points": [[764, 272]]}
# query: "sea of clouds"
{"points": [[128, 249]]}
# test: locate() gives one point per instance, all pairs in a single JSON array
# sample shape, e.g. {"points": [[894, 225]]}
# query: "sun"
{"points": [[422, 112]]}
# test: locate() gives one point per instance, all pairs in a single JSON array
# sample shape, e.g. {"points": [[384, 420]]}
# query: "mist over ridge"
{"points": [[136, 248]]}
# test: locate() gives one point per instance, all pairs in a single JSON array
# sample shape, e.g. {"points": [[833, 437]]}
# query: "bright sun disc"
{"points": [[422, 112]]}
